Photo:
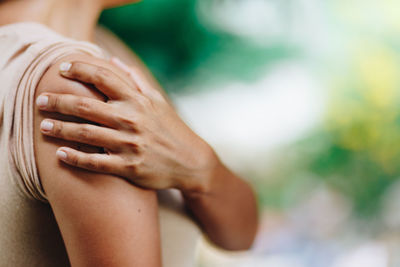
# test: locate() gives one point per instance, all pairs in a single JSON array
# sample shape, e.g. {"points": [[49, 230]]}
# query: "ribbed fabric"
{"points": [[29, 57]]}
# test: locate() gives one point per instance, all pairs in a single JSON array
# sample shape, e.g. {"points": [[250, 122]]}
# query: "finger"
{"points": [[137, 76], [82, 107], [83, 133], [132, 73], [104, 79], [118, 63], [103, 163], [128, 70]]}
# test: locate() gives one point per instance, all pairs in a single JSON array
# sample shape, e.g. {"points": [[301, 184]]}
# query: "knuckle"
{"points": [[83, 106], [144, 102], [134, 164], [127, 122], [102, 167], [58, 128], [54, 102], [131, 168], [92, 163], [131, 146], [73, 159], [84, 133], [141, 147], [101, 75]]}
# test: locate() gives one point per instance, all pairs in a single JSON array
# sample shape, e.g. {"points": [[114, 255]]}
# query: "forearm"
{"points": [[226, 210]]}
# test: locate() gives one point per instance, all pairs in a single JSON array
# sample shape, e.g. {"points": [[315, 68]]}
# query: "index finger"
{"points": [[102, 78]]}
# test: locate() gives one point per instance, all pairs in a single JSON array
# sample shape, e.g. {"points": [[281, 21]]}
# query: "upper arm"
{"points": [[104, 220]]}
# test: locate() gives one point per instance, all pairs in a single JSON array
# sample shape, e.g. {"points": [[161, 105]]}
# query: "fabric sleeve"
{"points": [[29, 68]]}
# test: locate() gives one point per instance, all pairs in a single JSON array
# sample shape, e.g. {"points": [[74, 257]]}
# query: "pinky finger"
{"points": [[97, 162]]}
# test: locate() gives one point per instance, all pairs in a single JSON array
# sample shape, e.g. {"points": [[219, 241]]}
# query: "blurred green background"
{"points": [[181, 45], [302, 98]]}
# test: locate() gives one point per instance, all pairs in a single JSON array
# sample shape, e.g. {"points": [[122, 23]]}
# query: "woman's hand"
{"points": [[146, 142], [144, 139]]}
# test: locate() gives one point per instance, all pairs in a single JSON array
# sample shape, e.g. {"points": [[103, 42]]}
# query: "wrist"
{"points": [[202, 176]]}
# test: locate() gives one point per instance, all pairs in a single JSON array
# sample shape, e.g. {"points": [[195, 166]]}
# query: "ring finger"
{"points": [[81, 107]]}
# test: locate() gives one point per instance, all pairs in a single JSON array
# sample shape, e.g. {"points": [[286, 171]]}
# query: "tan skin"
{"points": [[149, 145], [147, 142], [104, 221]]}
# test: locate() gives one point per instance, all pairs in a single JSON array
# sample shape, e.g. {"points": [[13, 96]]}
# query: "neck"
{"points": [[76, 19]]}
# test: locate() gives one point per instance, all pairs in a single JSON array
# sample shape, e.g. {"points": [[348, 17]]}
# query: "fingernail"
{"points": [[61, 154], [46, 126], [42, 101], [65, 66]]}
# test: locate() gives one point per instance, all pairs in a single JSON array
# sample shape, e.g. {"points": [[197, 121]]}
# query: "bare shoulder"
{"points": [[53, 82], [104, 220]]}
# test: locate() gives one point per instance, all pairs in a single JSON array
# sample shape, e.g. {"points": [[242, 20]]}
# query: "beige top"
{"points": [[29, 235]]}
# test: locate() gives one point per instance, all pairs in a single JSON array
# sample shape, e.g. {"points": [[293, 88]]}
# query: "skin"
{"points": [[76, 19], [223, 204], [148, 144], [104, 221], [127, 234]]}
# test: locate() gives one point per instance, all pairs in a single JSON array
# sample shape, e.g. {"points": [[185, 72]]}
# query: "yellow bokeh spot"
{"points": [[377, 68]]}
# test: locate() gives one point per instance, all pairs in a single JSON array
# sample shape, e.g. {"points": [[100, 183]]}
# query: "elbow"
{"points": [[240, 241], [242, 245], [238, 247]]}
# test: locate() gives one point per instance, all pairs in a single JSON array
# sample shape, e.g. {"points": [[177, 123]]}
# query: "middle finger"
{"points": [[78, 106]]}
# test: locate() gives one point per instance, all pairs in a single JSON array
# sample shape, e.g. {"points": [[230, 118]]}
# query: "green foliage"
{"points": [[358, 150], [181, 51], [353, 173]]}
